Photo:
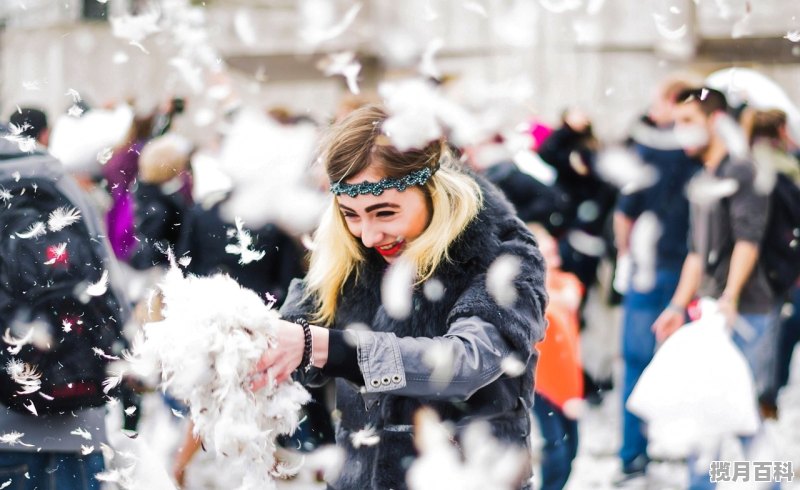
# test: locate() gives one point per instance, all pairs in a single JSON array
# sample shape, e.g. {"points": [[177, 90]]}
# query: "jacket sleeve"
{"points": [[468, 357], [297, 305]]}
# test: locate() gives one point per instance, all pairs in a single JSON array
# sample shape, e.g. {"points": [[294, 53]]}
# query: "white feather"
{"points": [[86, 449], [100, 353], [364, 437], [500, 279], [396, 289], [13, 438], [111, 382], [34, 231], [100, 287], [5, 194], [82, 433], [243, 247], [31, 408], [58, 252], [213, 334], [24, 375], [63, 217]]}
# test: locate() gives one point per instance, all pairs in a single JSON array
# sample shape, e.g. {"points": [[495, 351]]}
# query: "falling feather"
{"points": [[706, 189], [85, 450], [135, 28], [343, 64], [177, 413], [396, 289], [80, 432], [624, 169], [512, 366], [130, 410], [245, 241], [58, 252], [480, 461], [316, 34], [5, 194], [100, 353], [185, 261], [15, 344], [792, 36], [76, 97], [24, 375], [100, 287], [66, 325], [34, 231], [31, 408], [111, 382], [13, 438], [26, 144], [428, 65], [500, 279], [364, 437]]}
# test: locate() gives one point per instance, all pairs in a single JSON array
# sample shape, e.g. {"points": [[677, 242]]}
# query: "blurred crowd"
{"points": [[683, 209]]}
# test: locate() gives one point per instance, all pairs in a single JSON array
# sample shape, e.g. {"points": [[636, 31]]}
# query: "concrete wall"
{"points": [[601, 55]]}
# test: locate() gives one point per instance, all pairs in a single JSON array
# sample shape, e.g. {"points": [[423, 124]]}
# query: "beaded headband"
{"points": [[417, 177]]}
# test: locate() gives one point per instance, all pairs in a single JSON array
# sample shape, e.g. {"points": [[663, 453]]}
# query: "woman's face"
{"points": [[389, 222]]}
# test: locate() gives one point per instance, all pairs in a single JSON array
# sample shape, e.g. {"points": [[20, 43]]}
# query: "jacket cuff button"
{"points": [[396, 378], [386, 380]]}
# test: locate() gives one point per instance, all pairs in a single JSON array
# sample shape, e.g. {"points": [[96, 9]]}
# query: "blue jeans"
{"points": [[50, 471], [638, 347], [759, 348], [560, 443]]}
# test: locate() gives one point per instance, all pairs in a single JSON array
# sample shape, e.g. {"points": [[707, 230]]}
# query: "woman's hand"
{"points": [[279, 361]]}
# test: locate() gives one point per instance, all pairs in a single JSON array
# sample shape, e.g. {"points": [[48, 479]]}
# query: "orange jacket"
{"points": [[559, 373]]}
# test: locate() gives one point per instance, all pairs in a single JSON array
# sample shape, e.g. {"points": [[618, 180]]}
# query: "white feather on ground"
{"points": [[212, 336]]}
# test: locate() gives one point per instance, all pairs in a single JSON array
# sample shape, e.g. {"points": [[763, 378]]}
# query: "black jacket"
{"points": [[391, 352]]}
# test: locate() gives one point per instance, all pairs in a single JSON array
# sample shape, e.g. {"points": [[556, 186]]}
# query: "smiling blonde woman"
{"points": [[416, 206]]}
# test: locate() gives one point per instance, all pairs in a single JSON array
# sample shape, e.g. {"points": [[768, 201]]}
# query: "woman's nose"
{"points": [[370, 236]]}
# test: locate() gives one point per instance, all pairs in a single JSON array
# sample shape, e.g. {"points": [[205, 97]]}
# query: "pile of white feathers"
{"points": [[213, 334]]}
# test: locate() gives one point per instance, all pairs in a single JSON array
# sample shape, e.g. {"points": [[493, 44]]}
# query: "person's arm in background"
{"points": [[672, 318], [748, 212], [623, 225]]}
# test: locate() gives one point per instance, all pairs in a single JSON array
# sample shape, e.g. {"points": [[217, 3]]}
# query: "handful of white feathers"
{"points": [[213, 334]]}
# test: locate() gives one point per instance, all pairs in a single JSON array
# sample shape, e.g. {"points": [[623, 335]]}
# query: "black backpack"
{"points": [[43, 283], [780, 247]]}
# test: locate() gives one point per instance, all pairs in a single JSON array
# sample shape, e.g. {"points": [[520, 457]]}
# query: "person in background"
{"points": [[770, 146], [120, 173], [559, 374], [645, 300], [33, 123], [162, 194], [725, 238], [571, 150]]}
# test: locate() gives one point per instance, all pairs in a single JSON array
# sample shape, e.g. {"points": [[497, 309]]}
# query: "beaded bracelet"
{"points": [[308, 354]]}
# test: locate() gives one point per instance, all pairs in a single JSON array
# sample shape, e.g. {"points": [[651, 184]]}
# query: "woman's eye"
{"points": [[350, 215], [385, 214]]}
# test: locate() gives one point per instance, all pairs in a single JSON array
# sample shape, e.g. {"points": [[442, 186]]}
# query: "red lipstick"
{"points": [[391, 251]]}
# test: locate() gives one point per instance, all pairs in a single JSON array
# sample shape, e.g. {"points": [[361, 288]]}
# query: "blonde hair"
{"points": [[350, 147]]}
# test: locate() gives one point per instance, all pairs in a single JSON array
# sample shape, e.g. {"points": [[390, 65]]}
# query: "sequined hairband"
{"points": [[417, 177]]}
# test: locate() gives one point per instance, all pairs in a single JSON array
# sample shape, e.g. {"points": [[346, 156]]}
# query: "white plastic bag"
{"points": [[697, 390]]}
